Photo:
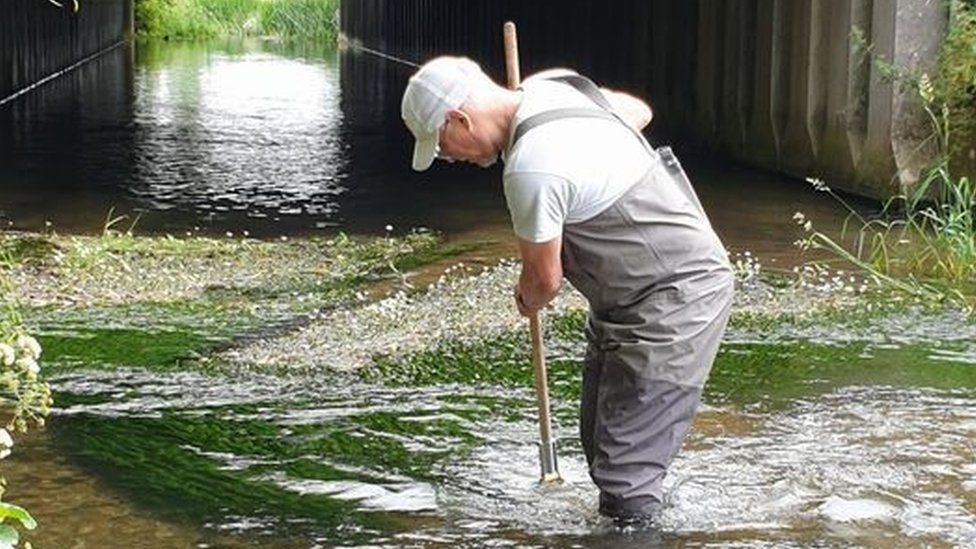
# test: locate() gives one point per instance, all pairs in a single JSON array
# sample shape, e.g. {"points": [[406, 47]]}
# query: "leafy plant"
{"points": [[955, 84], [24, 398]]}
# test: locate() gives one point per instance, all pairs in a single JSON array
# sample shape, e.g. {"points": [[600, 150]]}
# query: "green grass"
{"points": [[197, 19]]}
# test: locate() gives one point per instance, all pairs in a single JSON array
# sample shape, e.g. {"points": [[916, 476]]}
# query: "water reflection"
{"points": [[66, 146], [255, 136], [247, 132]]}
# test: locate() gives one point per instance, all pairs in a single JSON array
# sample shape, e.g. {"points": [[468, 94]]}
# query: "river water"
{"points": [[275, 139], [814, 440]]}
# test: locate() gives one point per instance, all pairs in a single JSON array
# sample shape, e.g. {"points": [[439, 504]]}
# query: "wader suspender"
{"points": [[586, 86]]}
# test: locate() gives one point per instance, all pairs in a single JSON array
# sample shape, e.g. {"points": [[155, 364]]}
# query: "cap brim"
{"points": [[424, 152]]}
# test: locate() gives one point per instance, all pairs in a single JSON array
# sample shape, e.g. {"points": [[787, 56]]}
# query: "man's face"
{"points": [[459, 139]]}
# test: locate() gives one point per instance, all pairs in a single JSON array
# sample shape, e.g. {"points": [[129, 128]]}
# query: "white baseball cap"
{"points": [[442, 84]]}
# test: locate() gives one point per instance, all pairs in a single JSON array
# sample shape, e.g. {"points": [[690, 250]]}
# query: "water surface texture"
{"points": [[797, 443]]}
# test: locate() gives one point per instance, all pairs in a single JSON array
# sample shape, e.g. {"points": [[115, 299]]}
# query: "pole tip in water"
{"points": [[551, 478]]}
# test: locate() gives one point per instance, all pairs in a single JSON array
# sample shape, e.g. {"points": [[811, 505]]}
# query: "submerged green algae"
{"points": [[174, 333], [746, 372], [213, 464], [224, 461], [415, 414]]}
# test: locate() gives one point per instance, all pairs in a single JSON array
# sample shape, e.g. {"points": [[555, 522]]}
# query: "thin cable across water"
{"points": [[356, 46]]}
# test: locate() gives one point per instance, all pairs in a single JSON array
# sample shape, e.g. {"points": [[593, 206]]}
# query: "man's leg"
{"points": [[638, 431], [645, 405], [592, 366]]}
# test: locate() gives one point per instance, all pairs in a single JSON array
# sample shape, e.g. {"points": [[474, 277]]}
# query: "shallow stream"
{"points": [[825, 437]]}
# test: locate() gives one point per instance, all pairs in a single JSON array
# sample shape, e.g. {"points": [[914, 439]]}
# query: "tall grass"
{"points": [[924, 241], [195, 19]]}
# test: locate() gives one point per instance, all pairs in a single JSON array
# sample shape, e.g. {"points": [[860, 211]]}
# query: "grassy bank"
{"points": [[196, 19]]}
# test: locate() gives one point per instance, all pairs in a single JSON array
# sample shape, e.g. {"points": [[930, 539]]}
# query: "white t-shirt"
{"points": [[568, 170]]}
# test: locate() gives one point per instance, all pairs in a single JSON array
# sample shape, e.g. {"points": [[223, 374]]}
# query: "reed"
{"points": [[200, 19]]}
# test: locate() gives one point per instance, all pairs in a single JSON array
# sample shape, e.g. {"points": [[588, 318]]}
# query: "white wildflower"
{"points": [[799, 217], [389, 228], [6, 443], [29, 365], [7, 354], [808, 226], [29, 344]]}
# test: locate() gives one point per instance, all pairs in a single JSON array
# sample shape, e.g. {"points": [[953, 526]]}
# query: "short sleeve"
{"points": [[539, 204]]}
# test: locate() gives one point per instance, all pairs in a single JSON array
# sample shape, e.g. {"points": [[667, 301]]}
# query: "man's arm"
{"points": [[634, 111], [542, 274]]}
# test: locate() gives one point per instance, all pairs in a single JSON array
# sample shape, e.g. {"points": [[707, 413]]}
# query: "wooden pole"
{"points": [[511, 56], [547, 449]]}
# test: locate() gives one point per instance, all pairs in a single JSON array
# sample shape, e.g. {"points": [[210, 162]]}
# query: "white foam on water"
{"points": [[848, 510], [860, 463], [498, 482], [403, 497], [855, 455]]}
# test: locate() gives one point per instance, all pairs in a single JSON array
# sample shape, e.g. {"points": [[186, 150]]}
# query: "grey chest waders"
{"points": [[659, 287]]}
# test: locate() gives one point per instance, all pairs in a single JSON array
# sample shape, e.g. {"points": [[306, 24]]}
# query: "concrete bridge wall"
{"points": [[38, 39], [775, 83]]}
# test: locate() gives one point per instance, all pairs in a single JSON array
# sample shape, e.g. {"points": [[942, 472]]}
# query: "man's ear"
{"points": [[457, 115]]}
